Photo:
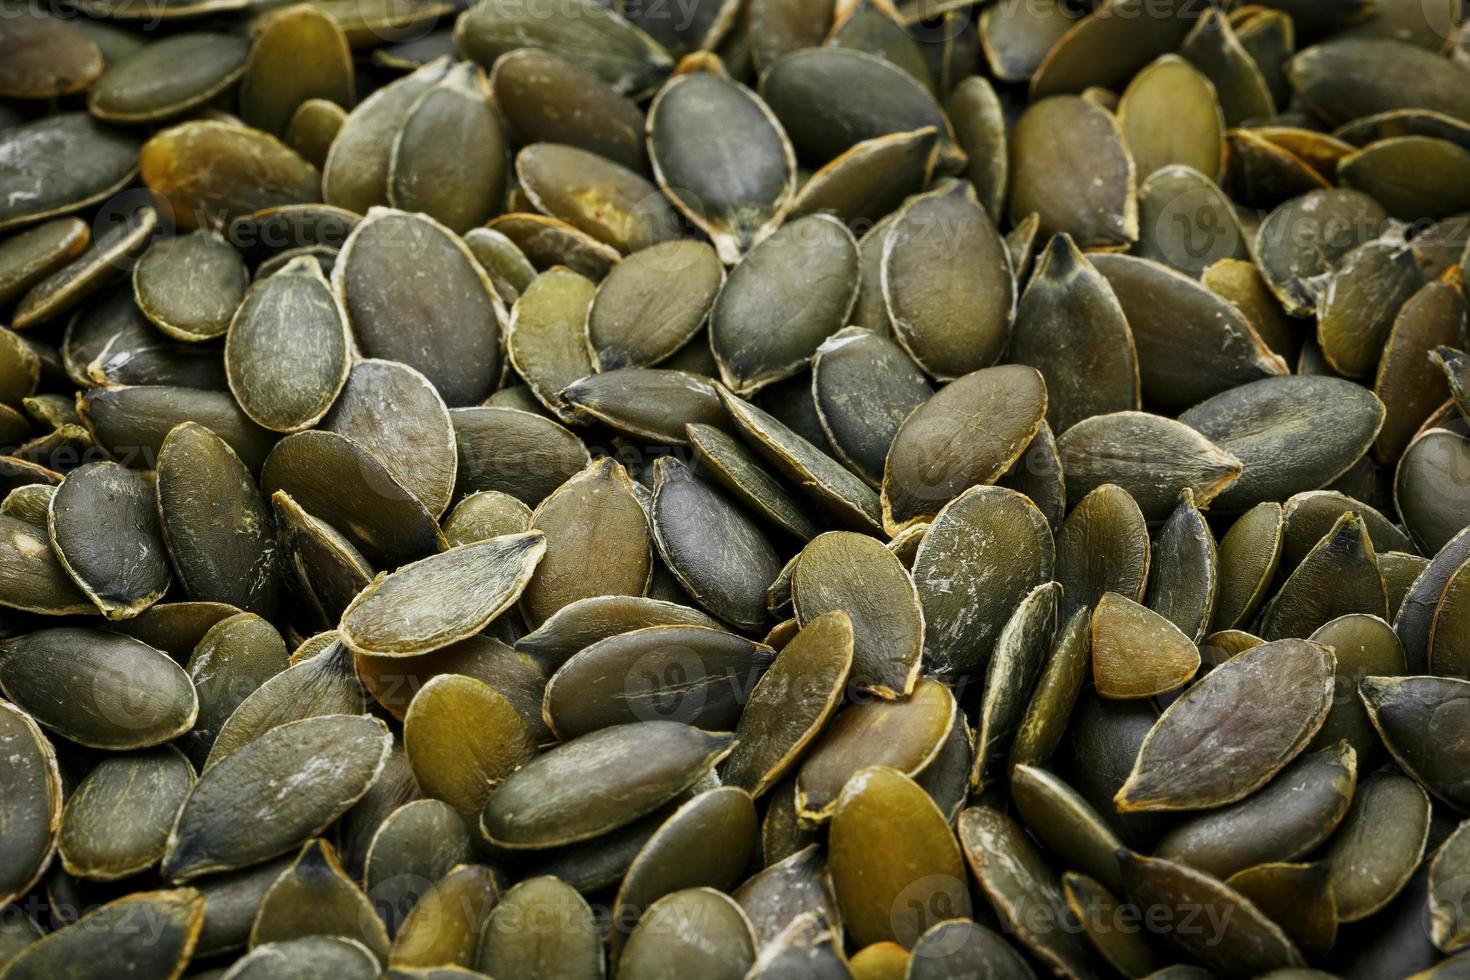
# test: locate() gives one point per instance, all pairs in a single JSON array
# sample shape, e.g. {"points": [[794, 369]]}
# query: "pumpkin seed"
{"points": [[115, 693], [790, 705], [191, 286], [308, 958], [1378, 845], [1225, 738], [1056, 693], [1066, 823], [722, 157], [975, 112], [870, 180], [218, 528], [548, 242], [32, 808], [313, 128], [1365, 647], [1136, 653], [104, 261], [904, 735], [599, 39], [1187, 223], [1213, 47], [131, 572], [341, 756], [1101, 916], [414, 847], [1103, 546], [1407, 711], [60, 164], [601, 198], [300, 54], [1297, 897], [1170, 116], [1430, 464], [46, 57], [1249, 555], [543, 805], [1100, 213], [547, 99], [722, 458], [315, 897], [892, 891], [108, 939], [516, 452], [509, 949], [1309, 516], [33, 255], [444, 927], [663, 945], [1362, 298], [232, 659], [650, 404], [1308, 236], [1433, 316], [652, 304], [168, 77], [1020, 653], [1346, 79], [1338, 576], [947, 237]]}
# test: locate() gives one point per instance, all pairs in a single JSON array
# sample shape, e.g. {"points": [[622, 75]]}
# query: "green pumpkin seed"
{"points": [[484, 515], [1137, 653], [601, 198], [548, 242], [525, 455], [1400, 571], [355, 174], [130, 574], [1101, 916], [1411, 176], [168, 77], [677, 856], [443, 929], [115, 692], [414, 847], [664, 945], [650, 404], [1379, 844], [1308, 236], [546, 336], [28, 503], [32, 255], [1298, 898], [509, 270], [826, 482], [814, 252], [1184, 575], [218, 527], [1432, 317], [1187, 223], [984, 552], [60, 164], [104, 261], [299, 55], [580, 624], [1337, 577], [791, 703], [1103, 546], [593, 521], [1066, 823], [315, 897], [45, 57], [209, 173], [232, 659], [191, 286], [1346, 79], [895, 889], [722, 157], [1309, 516], [308, 958], [1241, 283], [509, 949], [599, 39], [1409, 711], [726, 461], [975, 112], [1447, 926], [1207, 750], [786, 891], [870, 180], [1249, 555], [1213, 47], [653, 303], [1429, 464], [1249, 943], [1097, 213], [382, 282], [1023, 889], [947, 282], [904, 735], [446, 764], [1169, 116], [886, 960], [343, 754], [1021, 650], [1360, 302], [1106, 48], [548, 99], [632, 769], [108, 939], [32, 807], [1057, 690], [1447, 654]]}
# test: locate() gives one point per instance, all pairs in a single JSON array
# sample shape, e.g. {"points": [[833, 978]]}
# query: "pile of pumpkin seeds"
{"points": [[923, 489]]}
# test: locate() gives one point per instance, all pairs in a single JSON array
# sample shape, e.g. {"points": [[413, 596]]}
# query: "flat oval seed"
{"points": [[1297, 897], [722, 157], [1066, 823], [969, 433], [598, 783], [307, 958], [116, 821], [484, 515], [516, 452], [62, 163], [548, 242], [1224, 351], [650, 404], [793, 291], [1434, 316], [535, 88], [606, 200], [856, 574], [1308, 516], [219, 530], [509, 270], [1213, 47], [32, 806], [1057, 690], [1020, 652], [1211, 748], [233, 658], [441, 599], [904, 735], [32, 255], [1152, 457], [414, 293], [580, 624], [1184, 575], [791, 703], [974, 110], [108, 939], [1169, 116], [653, 303], [1288, 818], [355, 175], [1360, 301], [270, 795], [191, 286], [115, 692], [314, 896], [1354, 77], [344, 484], [415, 846], [1098, 912], [597, 542], [449, 157], [690, 674], [462, 739], [1430, 464], [444, 927], [572, 947], [288, 350], [947, 283], [1249, 555], [1379, 844], [546, 339], [210, 172], [1307, 236], [46, 57], [864, 386], [600, 40], [168, 77], [659, 948], [103, 262], [1136, 653], [986, 550], [894, 862], [299, 55], [1103, 546], [870, 180], [1414, 716], [1290, 434], [1098, 212], [1186, 222], [103, 522], [1339, 576], [34, 579]]}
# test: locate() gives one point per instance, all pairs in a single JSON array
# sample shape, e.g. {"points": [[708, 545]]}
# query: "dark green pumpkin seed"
{"points": [[1103, 546], [1337, 577], [462, 738], [1365, 646], [533, 90], [653, 303], [299, 55], [315, 897], [443, 929], [169, 77], [233, 658], [32, 806], [1409, 714], [1021, 649], [1098, 212], [979, 122], [516, 452], [1379, 844], [60, 164], [104, 261], [30, 256], [1170, 117], [308, 958], [658, 948], [1360, 301], [571, 947], [415, 846], [1430, 464], [191, 286], [1307, 236], [1066, 823], [1346, 79], [45, 57], [110, 941], [1308, 516], [723, 458], [103, 502], [601, 198]]}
